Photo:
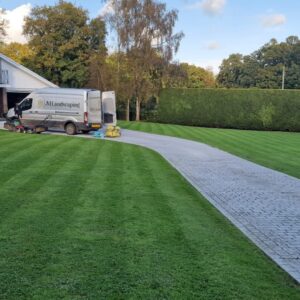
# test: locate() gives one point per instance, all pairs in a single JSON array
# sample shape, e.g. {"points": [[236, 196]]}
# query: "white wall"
{"points": [[20, 80]]}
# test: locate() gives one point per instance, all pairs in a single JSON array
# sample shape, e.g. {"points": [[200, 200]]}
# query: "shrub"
{"points": [[231, 108]]}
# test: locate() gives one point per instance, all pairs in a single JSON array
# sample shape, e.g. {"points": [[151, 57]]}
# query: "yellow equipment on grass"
{"points": [[113, 131]]}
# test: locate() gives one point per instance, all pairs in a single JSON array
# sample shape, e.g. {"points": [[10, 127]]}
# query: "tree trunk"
{"points": [[138, 110], [128, 110]]}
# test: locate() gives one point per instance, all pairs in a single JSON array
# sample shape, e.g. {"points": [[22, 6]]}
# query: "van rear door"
{"points": [[94, 108], [109, 108]]}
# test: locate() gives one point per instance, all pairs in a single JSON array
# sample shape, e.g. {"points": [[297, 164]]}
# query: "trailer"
{"points": [[73, 110]]}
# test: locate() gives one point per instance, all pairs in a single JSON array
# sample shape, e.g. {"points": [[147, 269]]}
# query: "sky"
{"points": [[213, 29]]}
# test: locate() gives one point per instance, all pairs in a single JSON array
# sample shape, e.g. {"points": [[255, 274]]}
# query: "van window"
{"points": [[26, 104]]}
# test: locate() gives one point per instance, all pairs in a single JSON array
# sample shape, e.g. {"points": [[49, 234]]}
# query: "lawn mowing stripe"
{"points": [[121, 238], [7, 137], [207, 136], [90, 235], [17, 186], [148, 126], [27, 148], [148, 234], [71, 249], [248, 139], [162, 128], [21, 154], [173, 131], [247, 136], [186, 133], [5, 147], [26, 159], [47, 214]]}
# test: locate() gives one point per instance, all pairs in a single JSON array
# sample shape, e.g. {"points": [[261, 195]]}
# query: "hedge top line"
{"points": [[234, 89]]}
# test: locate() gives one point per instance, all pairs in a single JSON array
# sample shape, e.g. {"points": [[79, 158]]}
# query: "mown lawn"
{"points": [[91, 219], [276, 150]]}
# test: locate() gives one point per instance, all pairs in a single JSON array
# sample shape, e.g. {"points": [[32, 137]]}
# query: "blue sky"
{"points": [[213, 28]]}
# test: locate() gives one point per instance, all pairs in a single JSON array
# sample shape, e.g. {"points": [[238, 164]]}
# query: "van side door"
{"points": [[94, 108], [109, 108]]}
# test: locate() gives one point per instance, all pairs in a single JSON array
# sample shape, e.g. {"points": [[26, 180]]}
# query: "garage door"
{"points": [[13, 98]]}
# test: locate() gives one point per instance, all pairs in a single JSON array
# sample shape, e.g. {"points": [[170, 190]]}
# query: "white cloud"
{"points": [[15, 19], [107, 8], [273, 20], [210, 7], [214, 45]]}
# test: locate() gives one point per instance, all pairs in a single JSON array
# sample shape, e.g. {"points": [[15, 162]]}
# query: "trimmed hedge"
{"points": [[231, 108]]}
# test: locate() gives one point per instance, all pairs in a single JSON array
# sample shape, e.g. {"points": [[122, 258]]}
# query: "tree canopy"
{"points": [[63, 39], [264, 67], [20, 53], [145, 33]]}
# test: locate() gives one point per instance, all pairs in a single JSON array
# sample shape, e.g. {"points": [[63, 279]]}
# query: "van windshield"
{"points": [[25, 104]]}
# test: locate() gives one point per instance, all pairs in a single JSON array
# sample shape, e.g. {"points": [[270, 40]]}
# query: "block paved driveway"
{"points": [[264, 204]]}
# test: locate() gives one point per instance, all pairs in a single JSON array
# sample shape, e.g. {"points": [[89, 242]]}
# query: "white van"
{"points": [[73, 110]]}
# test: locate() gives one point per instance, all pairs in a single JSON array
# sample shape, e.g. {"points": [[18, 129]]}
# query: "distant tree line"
{"points": [[68, 48], [264, 67]]}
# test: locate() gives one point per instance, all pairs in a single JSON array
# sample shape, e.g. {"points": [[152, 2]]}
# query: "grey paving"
{"points": [[264, 204]]}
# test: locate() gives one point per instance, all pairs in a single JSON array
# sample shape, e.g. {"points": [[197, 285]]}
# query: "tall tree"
{"points": [[144, 30], [3, 25], [63, 40], [98, 54], [113, 73], [230, 71]]}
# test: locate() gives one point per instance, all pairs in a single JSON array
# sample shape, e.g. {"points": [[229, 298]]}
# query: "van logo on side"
{"points": [[40, 103]]}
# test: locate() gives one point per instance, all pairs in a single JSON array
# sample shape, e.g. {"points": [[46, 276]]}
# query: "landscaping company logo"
{"points": [[62, 105], [40, 104]]}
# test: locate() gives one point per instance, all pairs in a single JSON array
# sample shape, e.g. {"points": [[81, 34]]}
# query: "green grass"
{"points": [[276, 150], [92, 219]]}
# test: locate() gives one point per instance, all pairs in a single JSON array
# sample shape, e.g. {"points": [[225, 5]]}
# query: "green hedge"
{"points": [[233, 108]]}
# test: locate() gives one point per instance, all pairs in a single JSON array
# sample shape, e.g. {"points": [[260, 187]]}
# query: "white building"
{"points": [[16, 82]]}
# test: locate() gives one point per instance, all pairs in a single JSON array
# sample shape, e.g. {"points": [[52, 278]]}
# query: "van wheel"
{"points": [[70, 129]]}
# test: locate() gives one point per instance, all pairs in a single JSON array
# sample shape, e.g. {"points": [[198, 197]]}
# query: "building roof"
{"points": [[24, 69]]}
